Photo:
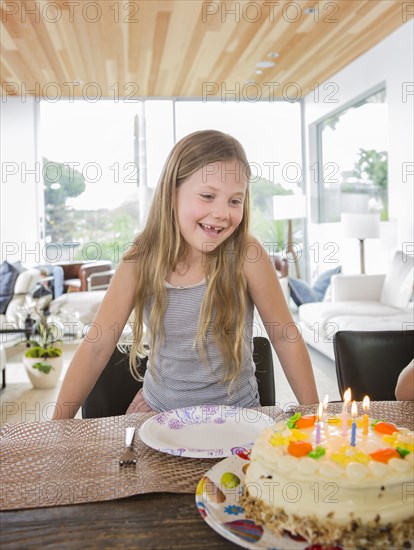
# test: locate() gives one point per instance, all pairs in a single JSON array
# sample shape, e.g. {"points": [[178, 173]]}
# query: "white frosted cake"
{"points": [[359, 495]]}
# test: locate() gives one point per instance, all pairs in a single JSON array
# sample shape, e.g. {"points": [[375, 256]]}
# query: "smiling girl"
{"points": [[193, 277]]}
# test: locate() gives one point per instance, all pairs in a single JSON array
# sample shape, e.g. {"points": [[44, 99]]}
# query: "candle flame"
{"points": [[347, 395], [354, 409], [320, 409], [365, 404]]}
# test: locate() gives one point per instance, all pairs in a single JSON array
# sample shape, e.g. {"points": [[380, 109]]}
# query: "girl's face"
{"points": [[210, 205]]}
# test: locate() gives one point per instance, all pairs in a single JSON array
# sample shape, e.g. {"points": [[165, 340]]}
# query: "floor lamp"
{"points": [[361, 227], [290, 207]]}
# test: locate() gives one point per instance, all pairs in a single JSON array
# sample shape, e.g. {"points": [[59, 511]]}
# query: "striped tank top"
{"points": [[179, 377]]}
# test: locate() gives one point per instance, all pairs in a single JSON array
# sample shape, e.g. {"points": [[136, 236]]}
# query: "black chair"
{"points": [[370, 362], [116, 387], [262, 357]]}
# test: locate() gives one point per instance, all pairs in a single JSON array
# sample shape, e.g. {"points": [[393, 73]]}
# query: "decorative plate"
{"points": [[218, 501], [206, 431]]}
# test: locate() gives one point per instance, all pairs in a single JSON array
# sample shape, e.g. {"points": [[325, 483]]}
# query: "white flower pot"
{"points": [[40, 380]]}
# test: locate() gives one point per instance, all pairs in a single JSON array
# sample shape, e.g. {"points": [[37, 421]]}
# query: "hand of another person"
{"points": [[404, 390]]}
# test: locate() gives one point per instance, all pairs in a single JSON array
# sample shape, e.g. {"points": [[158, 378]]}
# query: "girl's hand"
{"points": [[139, 404]]}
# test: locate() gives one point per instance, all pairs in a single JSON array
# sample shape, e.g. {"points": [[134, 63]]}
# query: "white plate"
{"points": [[219, 506], [205, 431]]}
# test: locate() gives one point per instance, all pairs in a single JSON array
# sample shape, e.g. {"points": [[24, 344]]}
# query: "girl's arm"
{"points": [[95, 350], [267, 295]]}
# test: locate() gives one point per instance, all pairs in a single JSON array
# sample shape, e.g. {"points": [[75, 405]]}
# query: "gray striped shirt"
{"points": [[179, 377]]}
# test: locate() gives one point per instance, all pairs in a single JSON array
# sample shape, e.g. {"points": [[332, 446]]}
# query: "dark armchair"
{"points": [[83, 276], [370, 362]]}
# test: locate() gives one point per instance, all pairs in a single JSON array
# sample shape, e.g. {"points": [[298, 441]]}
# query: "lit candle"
{"points": [[365, 406], [347, 399], [318, 424], [354, 411]]}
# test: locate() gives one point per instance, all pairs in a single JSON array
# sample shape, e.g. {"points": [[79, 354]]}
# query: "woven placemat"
{"points": [[76, 461]]}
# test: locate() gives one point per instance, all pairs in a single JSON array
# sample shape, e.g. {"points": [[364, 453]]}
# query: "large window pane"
{"points": [[353, 165], [94, 193]]}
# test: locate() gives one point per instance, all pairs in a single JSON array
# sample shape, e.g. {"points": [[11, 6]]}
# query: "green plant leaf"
{"points": [[53, 352], [36, 351], [43, 367]]}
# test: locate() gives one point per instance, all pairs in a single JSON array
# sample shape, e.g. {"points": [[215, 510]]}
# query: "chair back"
{"points": [[262, 357], [369, 362], [116, 387]]}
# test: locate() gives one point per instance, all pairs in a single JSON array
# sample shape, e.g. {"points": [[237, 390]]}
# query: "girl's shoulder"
{"points": [[263, 284], [255, 254], [257, 264]]}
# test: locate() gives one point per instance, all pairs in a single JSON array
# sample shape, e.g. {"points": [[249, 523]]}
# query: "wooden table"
{"points": [[151, 521], [146, 520]]}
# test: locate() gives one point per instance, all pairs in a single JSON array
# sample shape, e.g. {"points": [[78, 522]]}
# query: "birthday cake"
{"points": [[334, 486]]}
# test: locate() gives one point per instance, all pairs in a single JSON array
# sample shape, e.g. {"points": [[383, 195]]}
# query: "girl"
{"points": [[193, 277]]}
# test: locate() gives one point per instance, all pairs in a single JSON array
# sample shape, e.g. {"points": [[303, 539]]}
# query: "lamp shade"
{"points": [[361, 226], [289, 207]]}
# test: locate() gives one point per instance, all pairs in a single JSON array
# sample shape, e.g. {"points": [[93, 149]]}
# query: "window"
{"points": [[95, 195], [352, 167]]}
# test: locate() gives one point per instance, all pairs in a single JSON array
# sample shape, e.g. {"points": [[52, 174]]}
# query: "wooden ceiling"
{"points": [[185, 48]]}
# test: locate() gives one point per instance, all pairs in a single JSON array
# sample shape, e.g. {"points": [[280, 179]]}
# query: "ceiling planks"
{"points": [[175, 47]]}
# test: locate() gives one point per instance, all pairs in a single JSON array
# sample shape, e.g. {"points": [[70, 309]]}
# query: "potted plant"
{"points": [[43, 359]]}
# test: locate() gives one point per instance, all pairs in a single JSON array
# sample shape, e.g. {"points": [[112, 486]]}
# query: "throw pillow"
{"points": [[324, 280], [398, 284], [303, 293], [19, 267], [8, 276]]}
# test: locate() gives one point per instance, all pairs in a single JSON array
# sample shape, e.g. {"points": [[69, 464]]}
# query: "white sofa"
{"points": [[361, 302], [82, 304]]}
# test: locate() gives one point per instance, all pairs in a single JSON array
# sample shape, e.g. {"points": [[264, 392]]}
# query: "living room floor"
{"points": [[21, 403]]}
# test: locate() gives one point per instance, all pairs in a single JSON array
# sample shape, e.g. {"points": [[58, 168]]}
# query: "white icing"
{"points": [[330, 470], [287, 463], [307, 465], [344, 481], [399, 465], [378, 469], [313, 498], [356, 471], [410, 459], [334, 443]]}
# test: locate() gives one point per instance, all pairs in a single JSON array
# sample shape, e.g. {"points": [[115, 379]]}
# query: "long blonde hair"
{"points": [[159, 247]]}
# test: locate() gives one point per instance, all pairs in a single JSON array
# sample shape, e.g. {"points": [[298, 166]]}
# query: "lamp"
{"points": [[290, 207], [361, 227]]}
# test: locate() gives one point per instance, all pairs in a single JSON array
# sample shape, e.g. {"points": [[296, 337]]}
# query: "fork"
{"points": [[128, 456]]}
